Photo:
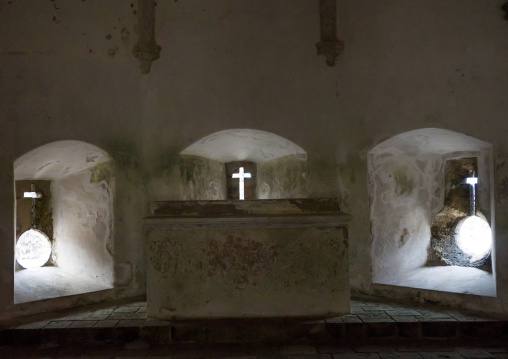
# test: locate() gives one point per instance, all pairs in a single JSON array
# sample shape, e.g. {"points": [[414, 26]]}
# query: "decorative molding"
{"points": [[276, 213], [146, 50], [329, 46], [298, 221]]}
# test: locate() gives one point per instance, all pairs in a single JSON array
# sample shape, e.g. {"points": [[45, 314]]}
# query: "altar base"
{"points": [[247, 259]]}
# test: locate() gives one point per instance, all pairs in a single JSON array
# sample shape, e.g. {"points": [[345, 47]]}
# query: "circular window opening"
{"points": [[474, 237], [33, 249]]}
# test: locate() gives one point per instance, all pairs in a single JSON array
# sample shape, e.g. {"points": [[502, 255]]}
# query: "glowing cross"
{"points": [[241, 176], [472, 206]]}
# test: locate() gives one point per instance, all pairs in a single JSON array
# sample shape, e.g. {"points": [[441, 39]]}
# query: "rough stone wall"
{"points": [[284, 177], [202, 179]]}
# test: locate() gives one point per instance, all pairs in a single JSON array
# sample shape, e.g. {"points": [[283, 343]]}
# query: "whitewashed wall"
{"points": [[68, 73]]}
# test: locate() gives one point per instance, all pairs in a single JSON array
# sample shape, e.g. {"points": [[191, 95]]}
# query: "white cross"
{"points": [[241, 176], [472, 181]]}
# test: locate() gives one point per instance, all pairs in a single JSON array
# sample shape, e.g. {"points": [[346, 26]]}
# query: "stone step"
{"points": [[262, 331]]}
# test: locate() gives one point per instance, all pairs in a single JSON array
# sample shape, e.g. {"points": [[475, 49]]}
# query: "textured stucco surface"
{"points": [[248, 144], [239, 259], [211, 273], [284, 177], [202, 178], [407, 190], [281, 164], [82, 215]]}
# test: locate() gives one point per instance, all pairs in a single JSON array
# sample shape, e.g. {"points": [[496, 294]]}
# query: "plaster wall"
{"points": [[407, 189], [64, 78], [234, 64], [406, 192], [402, 188], [83, 222], [230, 73], [410, 65]]}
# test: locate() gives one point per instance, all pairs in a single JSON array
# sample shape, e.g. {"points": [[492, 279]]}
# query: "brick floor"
{"points": [[364, 311], [123, 331]]}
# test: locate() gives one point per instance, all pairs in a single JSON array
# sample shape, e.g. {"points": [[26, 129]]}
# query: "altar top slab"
{"points": [[247, 208]]}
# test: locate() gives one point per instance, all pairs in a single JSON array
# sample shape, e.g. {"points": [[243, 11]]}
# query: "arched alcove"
{"points": [[407, 190], [281, 164], [75, 181]]}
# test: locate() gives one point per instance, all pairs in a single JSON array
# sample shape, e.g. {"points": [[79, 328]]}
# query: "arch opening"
{"points": [[74, 183], [280, 165], [416, 202]]}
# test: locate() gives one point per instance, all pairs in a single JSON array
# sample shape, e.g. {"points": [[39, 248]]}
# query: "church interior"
{"points": [[253, 159]]}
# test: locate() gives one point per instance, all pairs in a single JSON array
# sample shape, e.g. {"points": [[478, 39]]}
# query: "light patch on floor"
{"points": [[50, 282], [455, 279]]}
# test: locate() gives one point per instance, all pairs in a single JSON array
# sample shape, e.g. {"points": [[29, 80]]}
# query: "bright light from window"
{"points": [[472, 180], [474, 237], [241, 187], [32, 195], [33, 249]]}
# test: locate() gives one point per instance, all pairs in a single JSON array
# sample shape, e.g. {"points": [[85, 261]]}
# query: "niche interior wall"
{"points": [[78, 178], [281, 165], [407, 190]]}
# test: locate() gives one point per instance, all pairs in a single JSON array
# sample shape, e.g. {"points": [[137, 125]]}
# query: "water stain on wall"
{"points": [[404, 180], [404, 236]]}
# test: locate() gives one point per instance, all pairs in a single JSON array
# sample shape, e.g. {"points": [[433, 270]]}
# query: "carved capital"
{"points": [[329, 46], [331, 50], [146, 50], [146, 53]]}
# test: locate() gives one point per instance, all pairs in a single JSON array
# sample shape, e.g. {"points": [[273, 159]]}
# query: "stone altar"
{"points": [[247, 259]]}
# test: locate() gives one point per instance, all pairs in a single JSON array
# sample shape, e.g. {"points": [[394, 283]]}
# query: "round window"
{"points": [[33, 249], [474, 237]]}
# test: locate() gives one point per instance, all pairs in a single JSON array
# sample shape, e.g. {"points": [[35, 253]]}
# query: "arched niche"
{"points": [[76, 182], [281, 164], [407, 191]]}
